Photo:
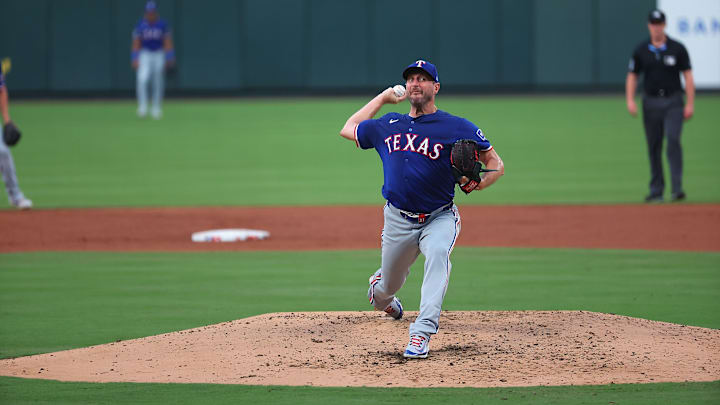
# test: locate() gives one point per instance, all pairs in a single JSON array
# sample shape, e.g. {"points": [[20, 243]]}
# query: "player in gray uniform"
{"points": [[7, 166], [419, 184], [152, 52]]}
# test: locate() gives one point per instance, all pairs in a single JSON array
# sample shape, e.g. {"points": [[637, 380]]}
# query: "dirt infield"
{"points": [[475, 349], [694, 227]]}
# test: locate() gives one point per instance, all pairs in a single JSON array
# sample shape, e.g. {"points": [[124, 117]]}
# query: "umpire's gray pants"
{"points": [[663, 117], [7, 168], [402, 242]]}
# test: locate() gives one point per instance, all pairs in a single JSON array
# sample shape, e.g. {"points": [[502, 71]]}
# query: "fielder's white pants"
{"points": [[7, 168], [151, 66]]}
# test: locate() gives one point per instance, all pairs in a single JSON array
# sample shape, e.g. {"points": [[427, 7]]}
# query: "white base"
{"points": [[229, 235]]}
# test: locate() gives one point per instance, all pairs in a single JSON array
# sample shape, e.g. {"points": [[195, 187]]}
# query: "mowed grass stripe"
{"points": [[55, 301], [21, 391]]}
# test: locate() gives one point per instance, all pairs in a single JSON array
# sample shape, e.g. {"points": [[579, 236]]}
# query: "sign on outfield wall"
{"points": [[696, 23]]}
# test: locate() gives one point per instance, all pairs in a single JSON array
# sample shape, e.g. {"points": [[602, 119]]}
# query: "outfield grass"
{"points": [[56, 301], [564, 149]]}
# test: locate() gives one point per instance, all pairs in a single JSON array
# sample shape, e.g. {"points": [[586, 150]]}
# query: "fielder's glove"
{"points": [[11, 134], [465, 161]]}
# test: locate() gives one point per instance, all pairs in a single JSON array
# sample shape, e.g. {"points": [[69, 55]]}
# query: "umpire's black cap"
{"points": [[656, 17]]}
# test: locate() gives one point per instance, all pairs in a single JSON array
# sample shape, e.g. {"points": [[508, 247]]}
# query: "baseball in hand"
{"points": [[399, 90]]}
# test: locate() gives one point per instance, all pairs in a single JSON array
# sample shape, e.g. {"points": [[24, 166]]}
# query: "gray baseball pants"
{"points": [[7, 168], [663, 117], [151, 65], [402, 242]]}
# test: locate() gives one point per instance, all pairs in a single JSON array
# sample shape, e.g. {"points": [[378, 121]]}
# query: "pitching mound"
{"points": [[475, 349]]}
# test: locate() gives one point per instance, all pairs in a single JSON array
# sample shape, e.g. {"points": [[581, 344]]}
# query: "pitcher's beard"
{"points": [[421, 105]]}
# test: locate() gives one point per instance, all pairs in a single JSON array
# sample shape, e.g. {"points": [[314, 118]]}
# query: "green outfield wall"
{"points": [[66, 46]]}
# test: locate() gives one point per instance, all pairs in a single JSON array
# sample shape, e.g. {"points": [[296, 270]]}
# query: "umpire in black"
{"points": [[661, 60]]}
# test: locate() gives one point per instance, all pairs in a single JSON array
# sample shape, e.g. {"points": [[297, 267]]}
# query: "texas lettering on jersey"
{"points": [[415, 156], [149, 33], [397, 143]]}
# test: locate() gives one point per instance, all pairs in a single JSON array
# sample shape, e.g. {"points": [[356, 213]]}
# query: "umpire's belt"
{"points": [[418, 217], [662, 93]]}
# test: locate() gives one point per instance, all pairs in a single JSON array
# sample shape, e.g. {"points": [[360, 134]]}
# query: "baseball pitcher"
{"points": [[424, 154]]}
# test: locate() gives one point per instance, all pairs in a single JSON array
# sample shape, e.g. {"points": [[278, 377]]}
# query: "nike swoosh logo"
{"points": [[393, 121]]}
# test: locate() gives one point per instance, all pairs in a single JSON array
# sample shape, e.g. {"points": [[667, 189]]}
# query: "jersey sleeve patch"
{"points": [[480, 135], [468, 130]]}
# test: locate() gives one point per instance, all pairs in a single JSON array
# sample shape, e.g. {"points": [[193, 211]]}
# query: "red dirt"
{"points": [[684, 227]]}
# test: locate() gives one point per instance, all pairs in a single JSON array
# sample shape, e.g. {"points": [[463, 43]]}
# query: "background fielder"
{"points": [[7, 165], [152, 52], [419, 187]]}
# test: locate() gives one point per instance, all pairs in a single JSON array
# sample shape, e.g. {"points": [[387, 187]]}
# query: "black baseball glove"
{"points": [[11, 134], [465, 161]]}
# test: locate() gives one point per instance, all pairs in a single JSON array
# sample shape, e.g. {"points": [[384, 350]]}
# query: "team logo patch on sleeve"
{"points": [[480, 135]]}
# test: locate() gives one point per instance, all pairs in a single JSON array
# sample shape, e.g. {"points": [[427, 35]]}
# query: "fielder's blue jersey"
{"points": [[2, 81], [416, 156], [152, 36]]}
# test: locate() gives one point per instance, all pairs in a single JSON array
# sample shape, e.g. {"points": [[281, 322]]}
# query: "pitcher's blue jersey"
{"points": [[151, 36], [416, 156]]}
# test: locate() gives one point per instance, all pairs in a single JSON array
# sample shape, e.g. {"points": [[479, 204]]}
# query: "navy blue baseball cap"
{"points": [[150, 6], [423, 65]]}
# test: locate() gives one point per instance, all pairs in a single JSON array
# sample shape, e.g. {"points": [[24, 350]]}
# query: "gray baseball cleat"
{"points": [[22, 203], [418, 347], [395, 309]]}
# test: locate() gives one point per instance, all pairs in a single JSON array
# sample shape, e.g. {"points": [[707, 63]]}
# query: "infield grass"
{"points": [[21, 391], [55, 301], [286, 151]]}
